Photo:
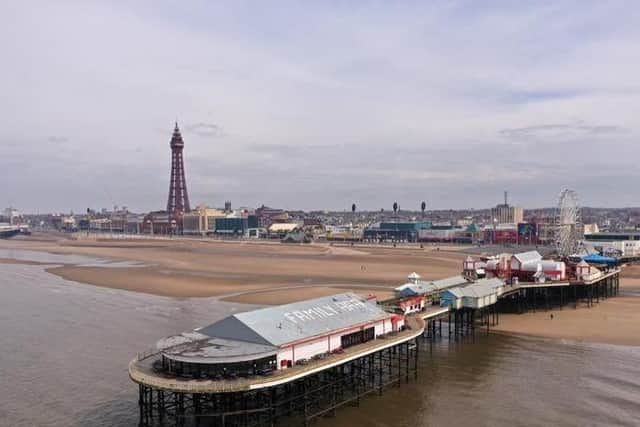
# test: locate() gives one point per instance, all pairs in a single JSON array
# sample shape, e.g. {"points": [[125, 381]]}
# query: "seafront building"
{"points": [[202, 220], [621, 243], [506, 214]]}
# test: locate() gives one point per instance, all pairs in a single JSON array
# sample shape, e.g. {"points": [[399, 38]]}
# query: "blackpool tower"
{"points": [[178, 202]]}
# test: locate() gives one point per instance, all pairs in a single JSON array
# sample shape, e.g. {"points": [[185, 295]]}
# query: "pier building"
{"points": [[261, 341], [477, 295], [300, 360]]}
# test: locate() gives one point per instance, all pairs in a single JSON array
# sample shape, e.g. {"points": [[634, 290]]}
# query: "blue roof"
{"points": [[599, 259]]}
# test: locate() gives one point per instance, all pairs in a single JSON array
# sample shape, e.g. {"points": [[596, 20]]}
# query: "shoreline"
{"points": [[614, 321], [523, 335], [278, 274]]}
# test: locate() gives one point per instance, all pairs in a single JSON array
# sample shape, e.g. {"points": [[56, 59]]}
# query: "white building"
{"points": [[505, 214], [480, 294], [282, 336], [615, 247], [532, 262]]}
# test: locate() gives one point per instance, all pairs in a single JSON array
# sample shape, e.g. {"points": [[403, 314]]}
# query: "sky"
{"points": [[318, 105]]}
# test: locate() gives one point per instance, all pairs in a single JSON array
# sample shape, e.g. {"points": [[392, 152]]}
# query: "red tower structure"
{"points": [[178, 202]]}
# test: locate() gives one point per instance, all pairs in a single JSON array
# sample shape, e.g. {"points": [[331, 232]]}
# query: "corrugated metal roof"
{"points": [[233, 329], [195, 347], [486, 287], [456, 292], [493, 282], [530, 256], [414, 288], [481, 288], [449, 282], [479, 292], [297, 321], [426, 287]]}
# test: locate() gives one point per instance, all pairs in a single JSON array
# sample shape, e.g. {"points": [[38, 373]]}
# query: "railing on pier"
{"points": [[143, 355]]}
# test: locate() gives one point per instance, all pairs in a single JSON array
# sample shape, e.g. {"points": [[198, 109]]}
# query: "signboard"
{"points": [[324, 311]]}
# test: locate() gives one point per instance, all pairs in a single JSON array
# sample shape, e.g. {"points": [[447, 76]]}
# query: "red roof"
{"points": [[396, 317]]}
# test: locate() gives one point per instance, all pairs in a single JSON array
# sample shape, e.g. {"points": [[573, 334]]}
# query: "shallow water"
{"points": [[506, 381], [64, 350], [65, 346], [50, 258]]}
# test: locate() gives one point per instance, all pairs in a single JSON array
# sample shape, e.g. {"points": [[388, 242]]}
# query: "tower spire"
{"points": [[178, 201]]}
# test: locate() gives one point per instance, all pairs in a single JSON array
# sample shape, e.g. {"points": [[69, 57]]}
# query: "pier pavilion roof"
{"points": [[289, 323], [421, 287], [261, 333]]}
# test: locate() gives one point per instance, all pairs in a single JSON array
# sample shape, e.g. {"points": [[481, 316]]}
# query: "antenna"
{"points": [[505, 197]]}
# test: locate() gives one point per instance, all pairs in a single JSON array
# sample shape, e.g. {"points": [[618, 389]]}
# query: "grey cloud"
{"points": [[205, 129], [529, 96], [403, 103], [57, 139], [566, 129]]}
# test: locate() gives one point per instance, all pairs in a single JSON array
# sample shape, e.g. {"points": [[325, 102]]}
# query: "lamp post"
{"points": [[353, 220], [88, 221]]}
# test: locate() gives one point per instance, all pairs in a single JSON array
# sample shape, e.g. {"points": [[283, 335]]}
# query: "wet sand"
{"points": [[267, 273], [298, 293], [611, 321], [239, 270]]}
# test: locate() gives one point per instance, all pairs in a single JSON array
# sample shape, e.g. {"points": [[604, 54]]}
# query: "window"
{"points": [[357, 337]]}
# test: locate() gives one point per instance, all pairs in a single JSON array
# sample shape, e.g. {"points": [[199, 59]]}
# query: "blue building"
{"points": [[395, 231], [232, 226]]}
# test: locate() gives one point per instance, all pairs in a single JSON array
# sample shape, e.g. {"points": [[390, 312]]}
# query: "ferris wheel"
{"points": [[568, 223]]}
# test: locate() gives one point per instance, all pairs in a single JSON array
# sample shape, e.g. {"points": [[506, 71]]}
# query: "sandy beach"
{"points": [[261, 273], [267, 273]]}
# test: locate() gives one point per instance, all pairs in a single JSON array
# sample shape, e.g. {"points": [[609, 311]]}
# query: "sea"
{"points": [[65, 347]]}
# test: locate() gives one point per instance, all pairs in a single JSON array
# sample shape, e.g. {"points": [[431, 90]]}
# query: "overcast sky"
{"points": [[312, 106]]}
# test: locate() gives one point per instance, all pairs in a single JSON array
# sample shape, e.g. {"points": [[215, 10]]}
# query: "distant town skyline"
{"points": [[318, 106]]}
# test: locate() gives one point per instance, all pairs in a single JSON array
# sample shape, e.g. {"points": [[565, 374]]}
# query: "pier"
{"points": [[302, 392]]}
